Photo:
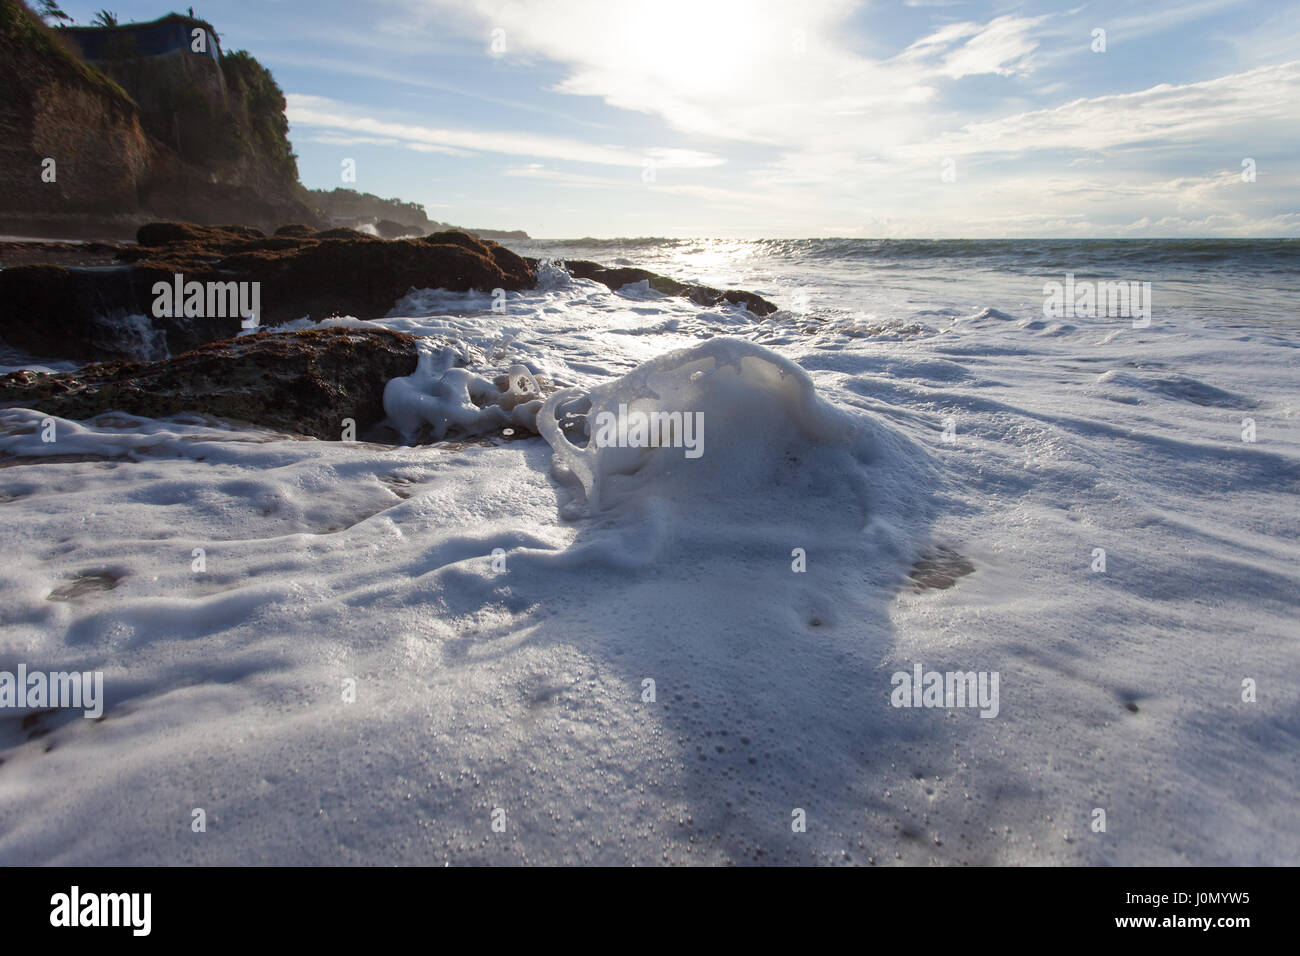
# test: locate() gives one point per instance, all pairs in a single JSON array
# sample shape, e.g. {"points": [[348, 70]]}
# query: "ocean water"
{"points": [[521, 648]]}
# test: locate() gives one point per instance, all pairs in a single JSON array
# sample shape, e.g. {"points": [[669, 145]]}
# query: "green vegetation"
{"points": [[252, 88], [48, 10], [22, 27], [350, 203], [104, 18]]}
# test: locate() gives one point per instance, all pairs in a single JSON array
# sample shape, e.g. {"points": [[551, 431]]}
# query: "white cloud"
{"points": [[1226, 108], [750, 70], [819, 135], [319, 112], [1003, 46]]}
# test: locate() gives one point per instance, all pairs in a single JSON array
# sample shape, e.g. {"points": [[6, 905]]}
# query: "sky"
{"points": [[793, 118]]}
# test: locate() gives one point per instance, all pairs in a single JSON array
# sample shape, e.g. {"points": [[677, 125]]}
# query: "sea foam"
{"points": [[439, 399], [774, 466]]}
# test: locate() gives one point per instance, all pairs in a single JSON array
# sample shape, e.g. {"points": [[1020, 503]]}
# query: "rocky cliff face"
{"points": [[55, 109], [79, 156]]}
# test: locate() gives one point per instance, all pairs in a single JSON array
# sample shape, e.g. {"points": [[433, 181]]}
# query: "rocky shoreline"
{"points": [[68, 301], [76, 301], [309, 382]]}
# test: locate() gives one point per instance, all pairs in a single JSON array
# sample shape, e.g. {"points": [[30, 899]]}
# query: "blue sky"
{"points": [[788, 118]]}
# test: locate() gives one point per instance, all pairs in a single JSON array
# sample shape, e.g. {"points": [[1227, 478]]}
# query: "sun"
{"points": [[702, 47]]}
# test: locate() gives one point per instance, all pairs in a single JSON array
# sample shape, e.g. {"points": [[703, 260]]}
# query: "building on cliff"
{"points": [[169, 47], [172, 35]]}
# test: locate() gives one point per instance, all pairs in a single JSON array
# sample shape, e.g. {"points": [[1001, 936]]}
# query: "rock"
{"points": [[168, 233], [452, 237], [76, 312], [71, 313], [89, 314], [390, 229], [364, 276], [304, 382], [343, 232], [25, 252], [100, 305], [615, 279]]}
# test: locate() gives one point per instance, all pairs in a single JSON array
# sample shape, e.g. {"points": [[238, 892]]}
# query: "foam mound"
{"points": [[727, 431]]}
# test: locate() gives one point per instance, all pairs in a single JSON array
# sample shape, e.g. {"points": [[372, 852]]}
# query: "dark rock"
{"points": [[389, 229], [68, 312], [364, 276], [303, 383], [297, 230], [615, 279], [79, 310], [81, 313], [343, 232], [25, 252], [76, 313], [452, 237], [167, 233], [939, 569]]}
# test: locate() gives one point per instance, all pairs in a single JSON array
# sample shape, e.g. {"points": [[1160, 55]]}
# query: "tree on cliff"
{"points": [[48, 10], [104, 18], [254, 89]]}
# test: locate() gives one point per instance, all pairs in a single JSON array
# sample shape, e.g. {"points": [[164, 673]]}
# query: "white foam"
{"points": [[500, 625], [439, 399], [751, 405]]}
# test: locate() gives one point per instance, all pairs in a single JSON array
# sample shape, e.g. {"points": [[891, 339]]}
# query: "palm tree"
{"points": [[50, 10], [104, 18]]}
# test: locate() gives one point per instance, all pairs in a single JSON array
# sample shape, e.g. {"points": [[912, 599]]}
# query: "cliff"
{"points": [[98, 148]]}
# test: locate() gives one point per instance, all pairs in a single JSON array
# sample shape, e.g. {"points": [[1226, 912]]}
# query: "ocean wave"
{"points": [[1025, 255]]}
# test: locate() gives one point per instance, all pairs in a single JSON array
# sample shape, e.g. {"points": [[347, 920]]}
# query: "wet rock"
{"points": [[615, 279], [939, 570], [90, 307], [295, 229], [169, 233], [304, 382], [84, 584], [391, 229], [75, 312]]}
